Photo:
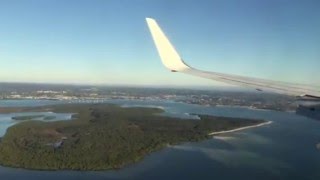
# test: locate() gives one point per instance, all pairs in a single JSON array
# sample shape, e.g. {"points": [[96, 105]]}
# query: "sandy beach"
{"points": [[242, 128]]}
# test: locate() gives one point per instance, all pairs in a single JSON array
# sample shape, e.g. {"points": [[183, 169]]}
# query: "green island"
{"points": [[102, 136]]}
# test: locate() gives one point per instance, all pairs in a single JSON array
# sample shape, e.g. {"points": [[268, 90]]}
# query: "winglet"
{"points": [[169, 56]]}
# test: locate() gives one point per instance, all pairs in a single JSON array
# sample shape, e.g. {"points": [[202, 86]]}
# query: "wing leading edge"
{"points": [[172, 60]]}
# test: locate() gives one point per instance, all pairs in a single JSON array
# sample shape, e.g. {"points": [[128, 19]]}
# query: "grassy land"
{"points": [[102, 137]]}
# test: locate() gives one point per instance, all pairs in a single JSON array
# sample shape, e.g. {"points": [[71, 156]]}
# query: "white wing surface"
{"points": [[172, 60]]}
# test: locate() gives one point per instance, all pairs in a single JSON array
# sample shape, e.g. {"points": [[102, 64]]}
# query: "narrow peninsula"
{"points": [[102, 136]]}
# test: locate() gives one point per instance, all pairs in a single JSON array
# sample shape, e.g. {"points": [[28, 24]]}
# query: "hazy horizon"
{"points": [[201, 87]]}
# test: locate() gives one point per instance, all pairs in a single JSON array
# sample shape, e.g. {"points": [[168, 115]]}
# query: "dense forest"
{"points": [[102, 136]]}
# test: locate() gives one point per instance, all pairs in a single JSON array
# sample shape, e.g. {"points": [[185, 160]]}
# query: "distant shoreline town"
{"points": [[256, 100]]}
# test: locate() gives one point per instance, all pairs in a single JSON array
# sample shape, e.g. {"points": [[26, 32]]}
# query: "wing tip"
{"points": [[169, 56], [149, 19]]}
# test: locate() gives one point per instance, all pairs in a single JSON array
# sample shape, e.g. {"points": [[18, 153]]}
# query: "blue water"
{"points": [[6, 120], [285, 149]]}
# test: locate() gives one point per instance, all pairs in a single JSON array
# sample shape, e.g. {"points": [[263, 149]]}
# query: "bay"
{"points": [[285, 149]]}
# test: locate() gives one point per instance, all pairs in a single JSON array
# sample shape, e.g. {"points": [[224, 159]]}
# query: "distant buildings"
{"points": [[201, 97]]}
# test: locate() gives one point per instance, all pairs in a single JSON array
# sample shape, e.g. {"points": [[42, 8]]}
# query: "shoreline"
{"points": [[239, 129]]}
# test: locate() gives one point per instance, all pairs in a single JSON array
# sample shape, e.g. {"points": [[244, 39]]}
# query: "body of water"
{"points": [[285, 149], [6, 119]]}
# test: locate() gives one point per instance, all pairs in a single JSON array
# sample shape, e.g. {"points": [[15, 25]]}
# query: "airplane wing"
{"points": [[172, 60]]}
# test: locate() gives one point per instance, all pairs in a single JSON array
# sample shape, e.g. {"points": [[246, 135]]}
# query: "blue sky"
{"points": [[108, 42]]}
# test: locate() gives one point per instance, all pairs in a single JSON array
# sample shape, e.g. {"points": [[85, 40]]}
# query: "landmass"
{"points": [[204, 97], [102, 136]]}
